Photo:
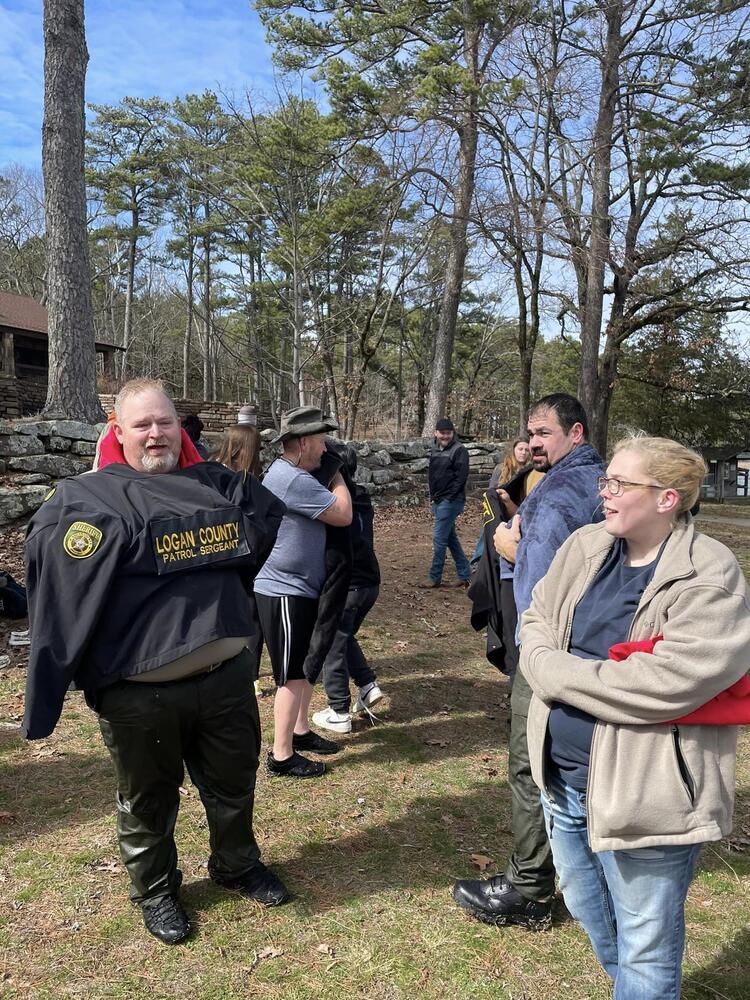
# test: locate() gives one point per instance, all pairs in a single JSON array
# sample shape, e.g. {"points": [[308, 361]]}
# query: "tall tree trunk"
{"points": [[454, 272], [215, 373], [598, 413], [330, 389], [524, 395], [71, 388], [188, 323], [207, 313], [297, 322], [421, 396], [599, 250], [400, 386], [525, 356], [129, 287], [358, 384]]}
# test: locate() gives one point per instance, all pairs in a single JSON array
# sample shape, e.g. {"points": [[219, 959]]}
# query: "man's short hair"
{"points": [[135, 387], [569, 410]]}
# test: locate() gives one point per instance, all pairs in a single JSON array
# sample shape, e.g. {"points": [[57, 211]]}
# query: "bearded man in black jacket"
{"points": [[138, 579]]}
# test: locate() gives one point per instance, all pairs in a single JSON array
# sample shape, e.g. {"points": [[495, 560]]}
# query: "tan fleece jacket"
{"points": [[649, 783]]}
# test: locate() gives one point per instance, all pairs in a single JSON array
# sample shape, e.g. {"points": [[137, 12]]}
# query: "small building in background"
{"points": [[24, 363], [728, 472]]}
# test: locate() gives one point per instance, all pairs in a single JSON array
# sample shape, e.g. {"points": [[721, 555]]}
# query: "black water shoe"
{"points": [[295, 766], [315, 743]]}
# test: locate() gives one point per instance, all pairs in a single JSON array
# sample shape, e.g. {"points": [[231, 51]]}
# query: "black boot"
{"points": [[497, 902], [260, 884], [166, 920]]}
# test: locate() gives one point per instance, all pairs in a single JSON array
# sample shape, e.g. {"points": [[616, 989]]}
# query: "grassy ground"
{"points": [[736, 509], [370, 850]]}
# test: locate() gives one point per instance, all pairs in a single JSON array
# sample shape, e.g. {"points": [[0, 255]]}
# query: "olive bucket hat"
{"points": [[304, 420]]}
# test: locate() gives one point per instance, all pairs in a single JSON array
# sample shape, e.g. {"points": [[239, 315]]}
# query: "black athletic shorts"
{"points": [[287, 624]]}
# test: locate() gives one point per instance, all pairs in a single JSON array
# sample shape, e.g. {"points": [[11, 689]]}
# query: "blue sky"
{"points": [[137, 48]]}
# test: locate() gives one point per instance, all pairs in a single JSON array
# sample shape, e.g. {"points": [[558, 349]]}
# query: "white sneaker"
{"points": [[368, 696], [337, 722]]}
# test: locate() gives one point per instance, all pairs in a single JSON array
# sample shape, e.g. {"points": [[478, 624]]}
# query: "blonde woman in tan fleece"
{"points": [[630, 796]]}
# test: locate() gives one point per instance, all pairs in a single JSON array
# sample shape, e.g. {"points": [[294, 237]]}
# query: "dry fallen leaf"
{"points": [[481, 861], [107, 866], [326, 949], [269, 953]]}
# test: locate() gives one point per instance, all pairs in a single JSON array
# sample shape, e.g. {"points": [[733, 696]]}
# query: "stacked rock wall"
{"points": [[33, 454], [10, 405], [399, 469], [36, 453], [216, 417]]}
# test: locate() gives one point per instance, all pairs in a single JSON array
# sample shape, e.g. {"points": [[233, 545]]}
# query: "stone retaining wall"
{"points": [[36, 453], [10, 406], [399, 469], [216, 417]]}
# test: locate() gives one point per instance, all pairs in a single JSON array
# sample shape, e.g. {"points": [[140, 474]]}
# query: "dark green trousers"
{"points": [[530, 869], [210, 722]]}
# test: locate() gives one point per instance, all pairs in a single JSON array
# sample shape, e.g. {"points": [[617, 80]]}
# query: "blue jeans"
{"points": [[444, 535], [630, 903], [478, 550]]}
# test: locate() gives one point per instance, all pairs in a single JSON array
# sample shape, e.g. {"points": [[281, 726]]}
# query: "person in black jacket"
{"points": [[193, 426], [345, 658], [138, 576], [447, 475]]}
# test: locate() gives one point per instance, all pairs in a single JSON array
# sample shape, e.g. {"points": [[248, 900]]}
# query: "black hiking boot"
{"points": [[495, 901]]}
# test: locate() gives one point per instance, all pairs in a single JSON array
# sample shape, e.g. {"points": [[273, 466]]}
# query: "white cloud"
{"points": [[142, 48], [21, 87]]}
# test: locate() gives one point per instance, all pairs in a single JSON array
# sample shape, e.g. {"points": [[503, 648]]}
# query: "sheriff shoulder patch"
{"points": [[487, 514], [81, 540]]}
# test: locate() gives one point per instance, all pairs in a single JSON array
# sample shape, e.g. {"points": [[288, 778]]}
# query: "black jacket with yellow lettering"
{"points": [[127, 571]]}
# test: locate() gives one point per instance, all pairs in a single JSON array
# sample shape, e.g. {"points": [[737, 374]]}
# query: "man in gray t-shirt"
{"points": [[289, 585], [297, 563]]}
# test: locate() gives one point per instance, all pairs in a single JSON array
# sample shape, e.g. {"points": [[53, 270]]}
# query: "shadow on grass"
{"points": [[53, 793], [425, 848], [427, 721], [727, 977], [415, 688], [426, 741]]}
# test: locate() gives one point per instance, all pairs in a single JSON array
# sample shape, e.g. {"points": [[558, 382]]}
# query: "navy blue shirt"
{"points": [[601, 619]]}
